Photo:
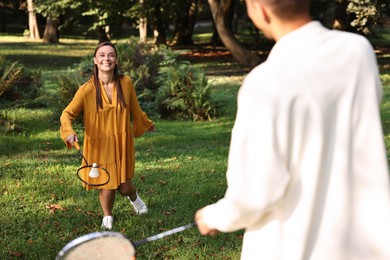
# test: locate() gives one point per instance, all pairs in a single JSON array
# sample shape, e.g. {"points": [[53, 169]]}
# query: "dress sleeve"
{"points": [[141, 122], [69, 114]]}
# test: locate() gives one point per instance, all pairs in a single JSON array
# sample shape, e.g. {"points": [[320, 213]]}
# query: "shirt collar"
{"points": [[298, 36]]}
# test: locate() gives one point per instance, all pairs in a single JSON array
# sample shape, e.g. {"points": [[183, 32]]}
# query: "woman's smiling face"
{"points": [[105, 58]]}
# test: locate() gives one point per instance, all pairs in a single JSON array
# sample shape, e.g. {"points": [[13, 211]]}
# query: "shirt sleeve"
{"points": [[257, 178], [141, 122], [69, 114]]}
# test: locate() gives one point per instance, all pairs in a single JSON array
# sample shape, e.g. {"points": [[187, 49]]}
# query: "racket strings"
{"points": [[108, 247], [83, 175]]}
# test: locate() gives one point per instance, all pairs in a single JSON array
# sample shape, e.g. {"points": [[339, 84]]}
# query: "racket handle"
{"points": [[76, 145]]}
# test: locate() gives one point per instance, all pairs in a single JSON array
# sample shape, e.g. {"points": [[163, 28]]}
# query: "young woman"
{"points": [[108, 101]]}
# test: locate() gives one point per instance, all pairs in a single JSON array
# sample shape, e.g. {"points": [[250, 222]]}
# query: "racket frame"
{"points": [[77, 146], [89, 237], [95, 235]]}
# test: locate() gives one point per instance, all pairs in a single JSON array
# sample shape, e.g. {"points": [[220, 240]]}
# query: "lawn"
{"points": [[179, 169]]}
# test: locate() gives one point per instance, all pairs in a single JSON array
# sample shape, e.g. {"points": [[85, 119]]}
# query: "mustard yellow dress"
{"points": [[109, 132]]}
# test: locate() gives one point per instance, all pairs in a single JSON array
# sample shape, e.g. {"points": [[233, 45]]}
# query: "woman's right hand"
{"points": [[72, 139]]}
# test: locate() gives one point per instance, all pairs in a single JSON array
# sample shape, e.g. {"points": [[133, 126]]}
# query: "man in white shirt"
{"points": [[307, 172]]}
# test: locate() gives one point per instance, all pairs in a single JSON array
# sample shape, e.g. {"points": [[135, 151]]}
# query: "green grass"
{"points": [[385, 110], [46, 57], [179, 169]]}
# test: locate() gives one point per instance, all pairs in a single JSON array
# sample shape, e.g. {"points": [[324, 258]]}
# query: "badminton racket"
{"points": [[94, 171], [108, 245]]}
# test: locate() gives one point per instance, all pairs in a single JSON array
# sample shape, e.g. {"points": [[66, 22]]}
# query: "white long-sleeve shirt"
{"points": [[307, 170]]}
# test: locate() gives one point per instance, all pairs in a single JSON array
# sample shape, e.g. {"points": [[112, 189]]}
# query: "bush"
{"points": [[10, 73], [69, 84], [20, 86], [176, 89], [164, 85], [142, 65], [184, 93]]}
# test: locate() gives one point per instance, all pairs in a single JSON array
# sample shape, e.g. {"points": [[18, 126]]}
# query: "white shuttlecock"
{"points": [[94, 173]]}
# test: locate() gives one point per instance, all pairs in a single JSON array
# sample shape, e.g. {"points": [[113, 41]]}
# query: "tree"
{"points": [[154, 13], [220, 10], [108, 15], [52, 10], [143, 26], [185, 21], [32, 21], [365, 14], [359, 16]]}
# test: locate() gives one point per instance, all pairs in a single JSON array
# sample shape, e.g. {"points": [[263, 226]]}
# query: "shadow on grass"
{"points": [[35, 55], [47, 194], [45, 61]]}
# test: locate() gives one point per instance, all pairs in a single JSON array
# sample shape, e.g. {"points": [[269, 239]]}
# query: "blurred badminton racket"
{"points": [[108, 245], [94, 171]]}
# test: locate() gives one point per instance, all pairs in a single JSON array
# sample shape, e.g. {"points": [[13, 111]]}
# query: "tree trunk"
{"points": [[159, 28], [221, 10], [184, 25], [340, 16], [32, 21], [103, 34], [51, 30], [143, 27]]}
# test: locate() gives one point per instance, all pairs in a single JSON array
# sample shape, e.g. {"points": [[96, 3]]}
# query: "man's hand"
{"points": [[203, 228]]}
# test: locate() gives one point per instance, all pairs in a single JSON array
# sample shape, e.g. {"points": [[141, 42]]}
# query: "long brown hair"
{"points": [[117, 77]]}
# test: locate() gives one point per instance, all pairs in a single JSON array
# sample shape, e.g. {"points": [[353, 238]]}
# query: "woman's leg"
{"points": [[107, 198], [129, 190]]}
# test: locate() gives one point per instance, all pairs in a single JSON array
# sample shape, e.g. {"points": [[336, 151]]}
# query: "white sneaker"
{"points": [[139, 206], [107, 222]]}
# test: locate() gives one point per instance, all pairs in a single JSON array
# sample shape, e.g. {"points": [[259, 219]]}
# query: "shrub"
{"points": [[20, 86], [172, 88], [68, 85], [10, 73], [184, 92], [142, 65], [175, 88]]}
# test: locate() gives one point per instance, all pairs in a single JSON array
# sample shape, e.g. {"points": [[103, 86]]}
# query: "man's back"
{"points": [[321, 93]]}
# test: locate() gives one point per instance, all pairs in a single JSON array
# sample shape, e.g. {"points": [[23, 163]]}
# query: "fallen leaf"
{"points": [[17, 254], [163, 182], [53, 207]]}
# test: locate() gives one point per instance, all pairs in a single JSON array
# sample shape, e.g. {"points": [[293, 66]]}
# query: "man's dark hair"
{"points": [[288, 9]]}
